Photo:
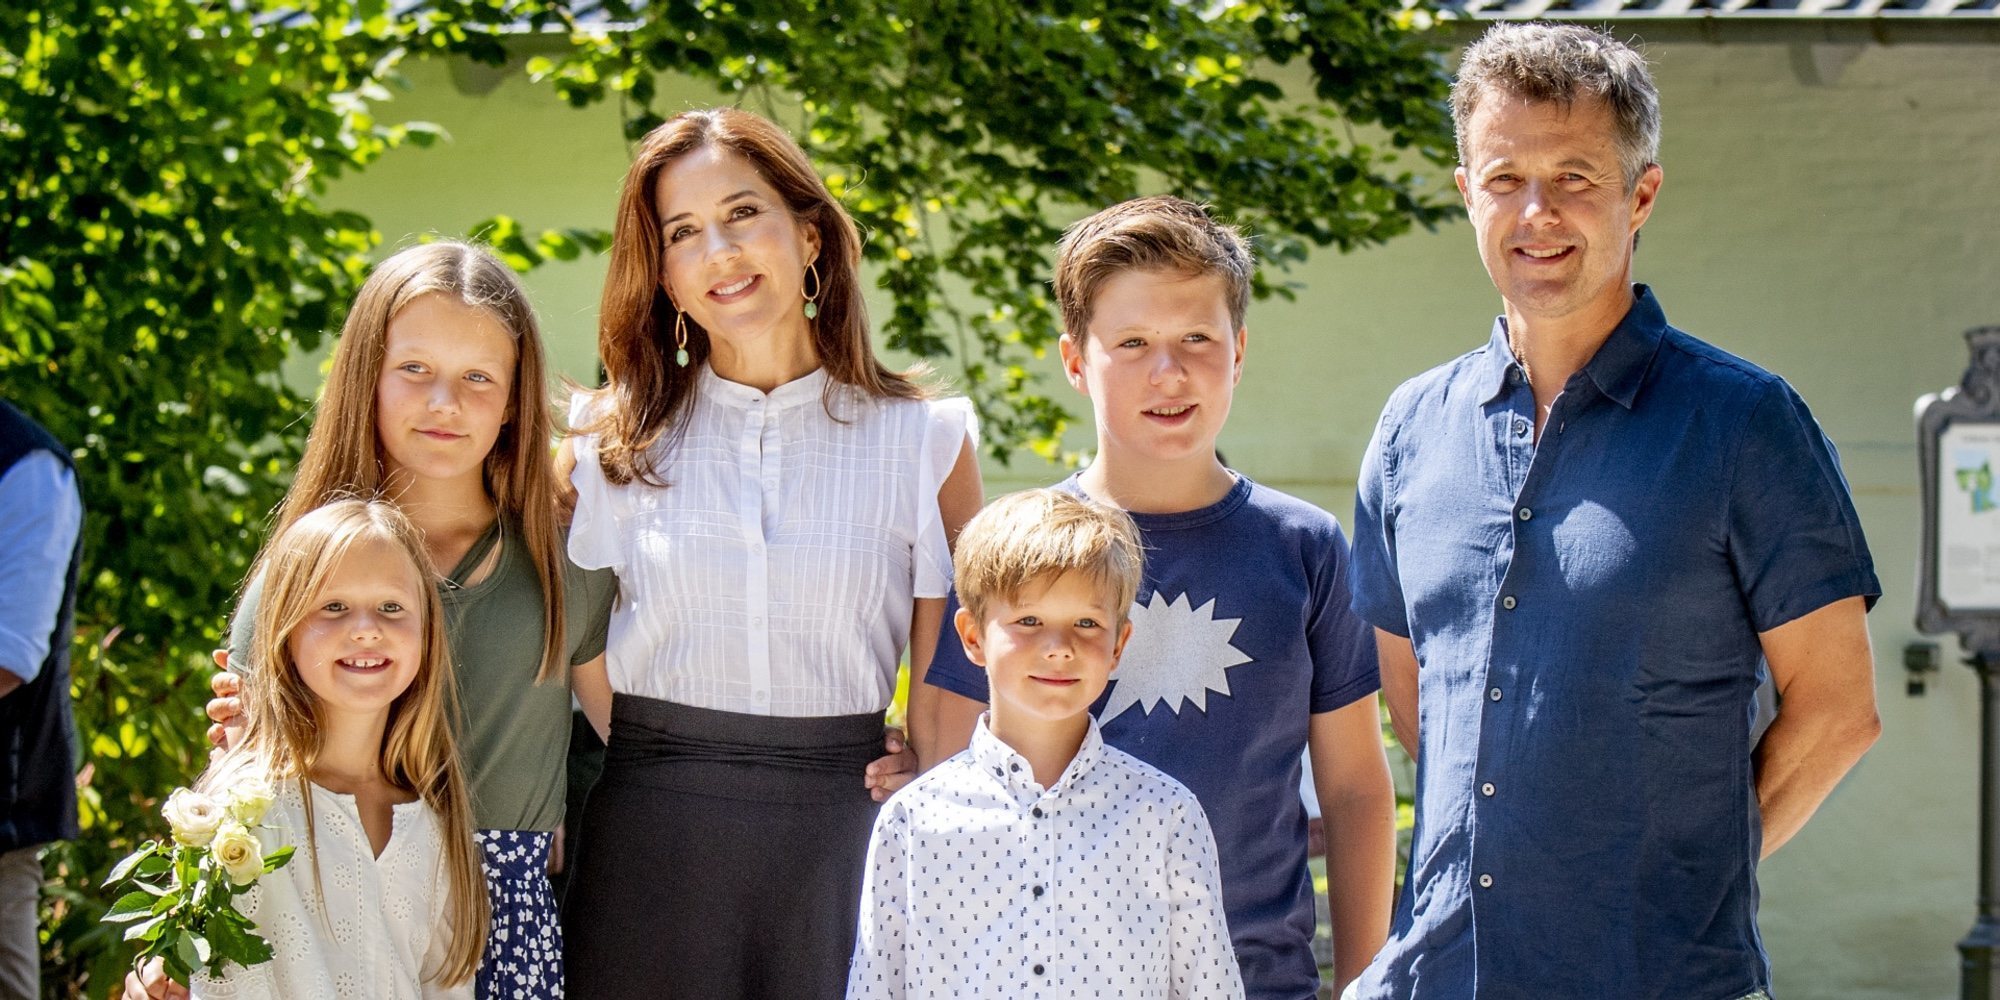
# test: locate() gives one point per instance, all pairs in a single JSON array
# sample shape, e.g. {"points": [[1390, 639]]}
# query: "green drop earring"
{"points": [[680, 338], [812, 306]]}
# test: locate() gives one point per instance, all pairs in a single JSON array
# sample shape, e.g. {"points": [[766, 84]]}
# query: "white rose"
{"points": [[192, 816], [238, 852], [248, 799]]}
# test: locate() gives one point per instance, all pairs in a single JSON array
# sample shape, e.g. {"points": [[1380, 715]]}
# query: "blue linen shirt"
{"points": [[1585, 613]]}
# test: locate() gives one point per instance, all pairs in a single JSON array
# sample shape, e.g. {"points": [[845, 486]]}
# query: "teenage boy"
{"points": [[1246, 651], [1040, 862]]}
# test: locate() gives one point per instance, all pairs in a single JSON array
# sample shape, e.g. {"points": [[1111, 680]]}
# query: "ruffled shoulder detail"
{"points": [[593, 533]]}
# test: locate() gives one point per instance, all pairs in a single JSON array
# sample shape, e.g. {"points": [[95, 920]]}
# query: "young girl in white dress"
{"points": [[349, 722]]}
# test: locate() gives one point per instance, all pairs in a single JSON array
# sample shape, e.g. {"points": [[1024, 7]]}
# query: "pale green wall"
{"points": [[1831, 212]]}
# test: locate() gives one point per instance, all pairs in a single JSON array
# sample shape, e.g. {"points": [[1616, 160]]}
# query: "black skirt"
{"points": [[720, 856]]}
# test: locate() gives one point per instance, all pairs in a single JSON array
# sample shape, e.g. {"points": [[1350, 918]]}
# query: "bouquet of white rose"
{"points": [[182, 904]]}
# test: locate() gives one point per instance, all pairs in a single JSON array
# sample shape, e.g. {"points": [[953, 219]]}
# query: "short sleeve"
{"points": [[590, 595], [593, 532], [1375, 587], [40, 516], [1794, 539], [949, 667], [1340, 642], [950, 424]]}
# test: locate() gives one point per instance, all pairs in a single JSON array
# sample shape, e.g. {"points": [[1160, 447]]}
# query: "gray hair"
{"points": [[1558, 63]]}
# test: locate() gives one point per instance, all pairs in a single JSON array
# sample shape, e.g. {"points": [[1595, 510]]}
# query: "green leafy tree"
{"points": [[961, 136], [163, 246], [162, 251]]}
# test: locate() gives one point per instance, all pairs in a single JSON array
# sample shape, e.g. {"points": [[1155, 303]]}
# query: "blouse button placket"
{"points": [[757, 583]]}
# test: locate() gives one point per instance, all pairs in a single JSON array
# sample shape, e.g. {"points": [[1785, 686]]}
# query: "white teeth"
{"points": [[1169, 411], [734, 288], [365, 663], [1545, 254]]}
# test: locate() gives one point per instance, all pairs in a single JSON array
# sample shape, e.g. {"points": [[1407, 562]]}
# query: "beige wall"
{"points": [[1831, 211]]}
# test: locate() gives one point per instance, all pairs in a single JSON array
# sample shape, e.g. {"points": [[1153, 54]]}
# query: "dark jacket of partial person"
{"points": [[37, 735]]}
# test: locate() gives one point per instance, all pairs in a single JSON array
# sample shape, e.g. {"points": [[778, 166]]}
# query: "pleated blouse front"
{"points": [[774, 574]]}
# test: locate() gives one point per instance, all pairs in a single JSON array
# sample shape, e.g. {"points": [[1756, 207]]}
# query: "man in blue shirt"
{"points": [[1580, 544]]}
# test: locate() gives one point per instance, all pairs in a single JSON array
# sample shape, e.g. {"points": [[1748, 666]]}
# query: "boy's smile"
{"points": [[1160, 364], [1048, 651]]}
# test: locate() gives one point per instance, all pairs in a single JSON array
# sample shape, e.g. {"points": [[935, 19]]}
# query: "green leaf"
{"points": [[191, 950], [130, 906], [148, 929], [131, 861]]}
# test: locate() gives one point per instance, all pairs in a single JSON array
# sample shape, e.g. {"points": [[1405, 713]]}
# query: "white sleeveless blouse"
{"points": [[774, 574]]}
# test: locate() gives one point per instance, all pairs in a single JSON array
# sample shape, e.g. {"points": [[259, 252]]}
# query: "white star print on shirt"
{"points": [[1177, 655]]}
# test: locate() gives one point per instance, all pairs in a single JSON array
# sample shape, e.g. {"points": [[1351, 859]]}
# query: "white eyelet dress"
{"points": [[764, 604]]}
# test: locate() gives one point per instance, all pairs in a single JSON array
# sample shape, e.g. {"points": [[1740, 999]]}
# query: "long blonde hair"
{"points": [[418, 754], [344, 450], [648, 392]]}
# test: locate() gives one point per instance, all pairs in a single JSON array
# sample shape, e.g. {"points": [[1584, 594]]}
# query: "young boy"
{"points": [[1246, 651], [1040, 862]]}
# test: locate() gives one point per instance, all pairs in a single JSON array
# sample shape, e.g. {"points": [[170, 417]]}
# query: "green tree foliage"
{"points": [[162, 250], [163, 246], [962, 136]]}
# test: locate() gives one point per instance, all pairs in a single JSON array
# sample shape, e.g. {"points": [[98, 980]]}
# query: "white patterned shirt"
{"points": [[384, 927], [981, 883], [774, 575]]}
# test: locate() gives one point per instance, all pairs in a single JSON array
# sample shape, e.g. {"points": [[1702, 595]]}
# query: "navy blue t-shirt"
{"points": [[1242, 631]]}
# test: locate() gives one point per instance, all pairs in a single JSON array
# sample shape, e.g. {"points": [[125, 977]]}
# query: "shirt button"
{"points": [[762, 695], [1508, 602], [1486, 789], [756, 622], [1493, 693], [1014, 767], [1520, 428], [1486, 881], [1038, 892], [1038, 968], [1037, 812], [1526, 513]]}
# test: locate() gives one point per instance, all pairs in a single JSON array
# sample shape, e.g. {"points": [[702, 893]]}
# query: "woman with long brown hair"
{"points": [[778, 508]]}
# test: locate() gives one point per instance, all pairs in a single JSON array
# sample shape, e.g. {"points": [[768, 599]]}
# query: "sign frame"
{"points": [[1975, 401]]}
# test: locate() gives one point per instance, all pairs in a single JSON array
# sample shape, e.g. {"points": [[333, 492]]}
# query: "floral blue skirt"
{"points": [[523, 958]]}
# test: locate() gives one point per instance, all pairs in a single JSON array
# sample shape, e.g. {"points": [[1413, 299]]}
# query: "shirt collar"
{"points": [[1009, 768], [1619, 367], [1495, 367], [805, 389]]}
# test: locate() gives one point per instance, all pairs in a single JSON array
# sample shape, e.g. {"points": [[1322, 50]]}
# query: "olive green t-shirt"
{"points": [[513, 734]]}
